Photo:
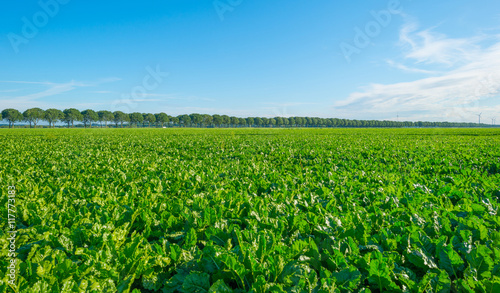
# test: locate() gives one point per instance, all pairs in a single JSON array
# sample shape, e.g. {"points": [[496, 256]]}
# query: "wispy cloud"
{"points": [[102, 92], [457, 93], [51, 89], [54, 89], [38, 97], [430, 47], [108, 80], [27, 82], [410, 69], [288, 104], [9, 91], [148, 100]]}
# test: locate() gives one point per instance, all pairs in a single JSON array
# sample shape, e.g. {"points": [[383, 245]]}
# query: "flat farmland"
{"points": [[251, 210]]}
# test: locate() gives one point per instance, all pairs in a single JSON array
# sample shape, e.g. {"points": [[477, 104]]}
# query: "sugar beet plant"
{"points": [[252, 210]]}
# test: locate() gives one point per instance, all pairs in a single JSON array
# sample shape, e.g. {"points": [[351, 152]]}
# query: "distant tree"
{"points": [[301, 121], [279, 121], [120, 117], [242, 122], [162, 118], [175, 120], [89, 116], [150, 118], [250, 121], [196, 119], [185, 120], [136, 118], [109, 117], [71, 115], [226, 120], [217, 120], [207, 120], [105, 116], [234, 121], [53, 115], [144, 119], [272, 122], [12, 116], [258, 121], [33, 116], [265, 121], [157, 120]]}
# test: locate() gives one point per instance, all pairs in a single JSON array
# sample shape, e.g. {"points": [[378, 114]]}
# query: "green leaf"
{"points": [[380, 276], [262, 248], [196, 283], [347, 278], [191, 238], [435, 282], [421, 260], [175, 283], [237, 268], [450, 260], [220, 287], [260, 285], [126, 284], [480, 261], [492, 286], [294, 273]]}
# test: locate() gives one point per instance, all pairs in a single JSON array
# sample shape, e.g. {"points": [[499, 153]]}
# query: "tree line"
{"points": [[120, 119]]}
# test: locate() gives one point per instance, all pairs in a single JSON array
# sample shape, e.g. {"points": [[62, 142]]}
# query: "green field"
{"points": [[244, 210]]}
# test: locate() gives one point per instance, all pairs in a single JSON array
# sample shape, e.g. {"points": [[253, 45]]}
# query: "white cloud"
{"points": [[33, 100], [147, 100], [54, 89], [102, 92], [430, 47], [38, 97], [410, 69], [456, 94]]}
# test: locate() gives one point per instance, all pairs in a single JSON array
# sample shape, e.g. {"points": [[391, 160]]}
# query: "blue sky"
{"points": [[416, 60]]}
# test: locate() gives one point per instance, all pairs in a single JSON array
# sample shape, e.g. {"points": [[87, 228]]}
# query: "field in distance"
{"points": [[252, 210]]}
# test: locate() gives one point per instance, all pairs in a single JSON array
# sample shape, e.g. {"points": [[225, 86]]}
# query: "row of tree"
{"points": [[69, 116]]}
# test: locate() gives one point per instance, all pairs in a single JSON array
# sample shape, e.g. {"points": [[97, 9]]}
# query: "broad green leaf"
{"points": [[196, 283], [220, 287]]}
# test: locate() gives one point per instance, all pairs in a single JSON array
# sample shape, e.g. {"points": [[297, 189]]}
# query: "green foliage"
{"points": [[136, 118], [120, 118], [33, 115], [89, 116], [12, 116], [71, 115], [53, 115], [276, 210]]}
